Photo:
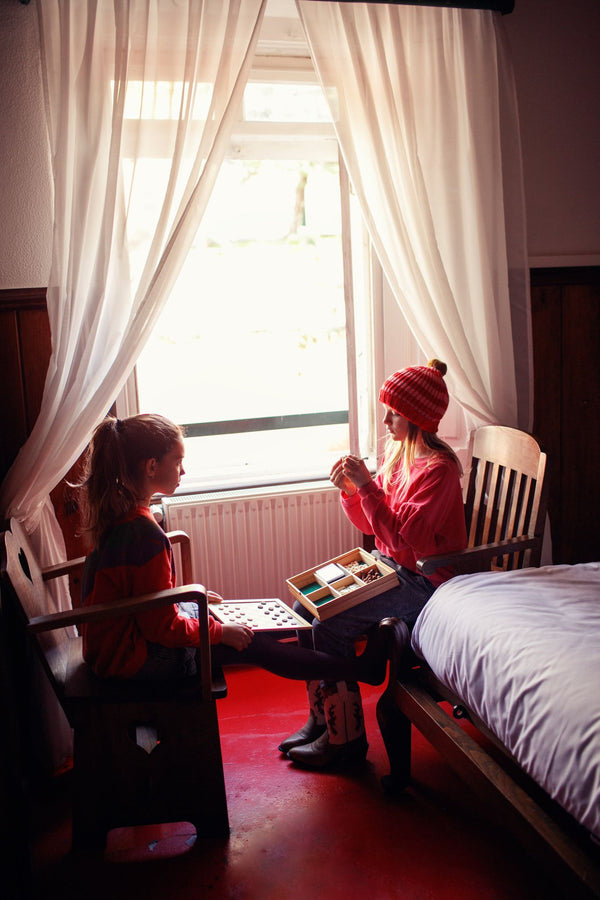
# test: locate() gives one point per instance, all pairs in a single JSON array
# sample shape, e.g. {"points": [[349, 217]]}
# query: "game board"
{"points": [[260, 615]]}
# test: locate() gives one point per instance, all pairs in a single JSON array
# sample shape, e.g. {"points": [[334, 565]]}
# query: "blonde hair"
{"points": [[113, 467]]}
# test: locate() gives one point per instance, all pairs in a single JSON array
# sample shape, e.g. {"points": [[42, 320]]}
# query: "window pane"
{"points": [[255, 326], [266, 102], [260, 457], [157, 100]]}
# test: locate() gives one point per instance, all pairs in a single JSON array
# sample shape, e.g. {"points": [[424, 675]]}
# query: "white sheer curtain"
{"points": [[108, 68], [425, 111]]}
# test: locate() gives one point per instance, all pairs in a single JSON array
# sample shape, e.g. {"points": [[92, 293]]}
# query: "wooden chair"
{"points": [[143, 753], [506, 497]]}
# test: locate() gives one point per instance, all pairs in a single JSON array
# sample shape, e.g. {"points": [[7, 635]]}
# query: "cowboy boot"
{"points": [[345, 738], [315, 725]]}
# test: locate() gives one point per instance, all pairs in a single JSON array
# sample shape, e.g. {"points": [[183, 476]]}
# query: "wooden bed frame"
{"points": [[413, 696]]}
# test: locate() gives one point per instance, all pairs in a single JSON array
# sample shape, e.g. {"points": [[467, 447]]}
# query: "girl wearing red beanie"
{"points": [[414, 508]]}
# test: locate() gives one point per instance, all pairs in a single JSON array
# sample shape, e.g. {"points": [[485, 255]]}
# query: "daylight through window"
{"points": [[250, 351]]}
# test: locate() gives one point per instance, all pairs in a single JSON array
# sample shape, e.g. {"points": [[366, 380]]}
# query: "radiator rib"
{"points": [[246, 545]]}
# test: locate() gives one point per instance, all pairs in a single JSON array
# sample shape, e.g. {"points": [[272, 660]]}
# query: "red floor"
{"points": [[296, 834]]}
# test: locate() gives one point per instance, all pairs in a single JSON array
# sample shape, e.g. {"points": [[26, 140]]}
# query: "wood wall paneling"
{"points": [[35, 355], [566, 336], [580, 423], [25, 342], [14, 419]]}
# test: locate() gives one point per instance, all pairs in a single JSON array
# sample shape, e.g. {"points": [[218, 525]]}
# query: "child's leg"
{"points": [[302, 664], [167, 662]]}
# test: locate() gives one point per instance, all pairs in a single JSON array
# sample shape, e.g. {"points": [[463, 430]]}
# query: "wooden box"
{"points": [[336, 585]]}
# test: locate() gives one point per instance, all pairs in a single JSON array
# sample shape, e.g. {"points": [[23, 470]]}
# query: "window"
{"points": [[251, 353]]}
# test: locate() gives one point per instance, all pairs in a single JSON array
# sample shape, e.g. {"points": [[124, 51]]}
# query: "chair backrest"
{"points": [[36, 598], [506, 493]]}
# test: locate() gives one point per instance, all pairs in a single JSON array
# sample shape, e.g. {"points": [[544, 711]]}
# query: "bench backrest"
{"points": [[36, 598], [506, 492]]}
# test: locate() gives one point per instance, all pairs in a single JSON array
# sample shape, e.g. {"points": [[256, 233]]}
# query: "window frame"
{"points": [[318, 142]]}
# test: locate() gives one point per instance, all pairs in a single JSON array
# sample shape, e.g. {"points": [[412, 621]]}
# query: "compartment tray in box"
{"points": [[313, 593]]}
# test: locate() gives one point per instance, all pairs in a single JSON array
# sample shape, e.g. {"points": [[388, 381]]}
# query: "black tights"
{"points": [[292, 661]]}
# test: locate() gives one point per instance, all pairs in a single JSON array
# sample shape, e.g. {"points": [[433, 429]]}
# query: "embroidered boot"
{"points": [[345, 739], [315, 725]]}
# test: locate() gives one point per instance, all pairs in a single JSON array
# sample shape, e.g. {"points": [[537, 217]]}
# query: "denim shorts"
{"points": [[170, 662]]}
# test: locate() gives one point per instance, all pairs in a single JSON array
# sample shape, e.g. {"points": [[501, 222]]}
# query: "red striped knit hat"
{"points": [[418, 393]]}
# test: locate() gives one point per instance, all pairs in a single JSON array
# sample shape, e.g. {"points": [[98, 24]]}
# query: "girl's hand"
{"points": [[237, 636], [349, 474], [356, 471], [340, 480], [213, 597]]}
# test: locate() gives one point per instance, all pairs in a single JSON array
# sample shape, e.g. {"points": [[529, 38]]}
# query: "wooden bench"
{"points": [[142, 753]]}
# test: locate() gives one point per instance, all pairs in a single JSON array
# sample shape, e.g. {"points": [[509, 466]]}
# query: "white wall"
{"points": [[557, 65], [25, 187], [555, 50]]}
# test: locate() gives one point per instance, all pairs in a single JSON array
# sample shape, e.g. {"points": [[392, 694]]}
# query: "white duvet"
{"points": [[522, 649]]}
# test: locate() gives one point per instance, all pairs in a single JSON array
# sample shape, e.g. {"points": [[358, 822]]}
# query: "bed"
{"points": [[517, 654]]}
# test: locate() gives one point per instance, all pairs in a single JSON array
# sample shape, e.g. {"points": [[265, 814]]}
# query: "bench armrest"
{"points": [[131, 605], [476, 559], [176, 537], [126, 607], [63, 568], [185, 549]]}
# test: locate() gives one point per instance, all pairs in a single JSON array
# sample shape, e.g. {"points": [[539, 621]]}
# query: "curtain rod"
{"points": [[502, 6]]}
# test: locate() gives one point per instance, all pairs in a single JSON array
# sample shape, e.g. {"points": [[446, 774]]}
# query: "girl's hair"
{"points": [[404, 453], [113, 467]]}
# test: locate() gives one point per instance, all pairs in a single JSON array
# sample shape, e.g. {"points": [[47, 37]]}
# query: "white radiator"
{"points": [[246, 543]]}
